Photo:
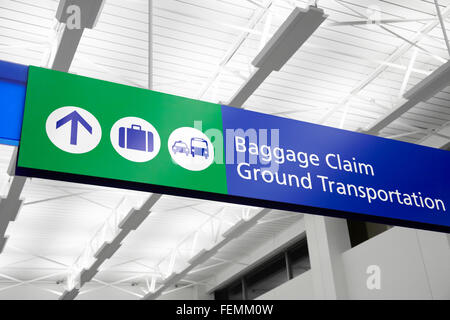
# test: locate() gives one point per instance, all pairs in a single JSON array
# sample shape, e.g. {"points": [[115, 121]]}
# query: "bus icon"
{"points": [[199, 147]]}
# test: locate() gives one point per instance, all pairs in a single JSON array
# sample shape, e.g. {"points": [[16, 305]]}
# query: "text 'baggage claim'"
{"points": [[280, 156]]}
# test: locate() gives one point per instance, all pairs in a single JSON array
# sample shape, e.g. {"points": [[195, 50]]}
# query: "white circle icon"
{"points": [[73, 129], [191, 149], [135, 139]]}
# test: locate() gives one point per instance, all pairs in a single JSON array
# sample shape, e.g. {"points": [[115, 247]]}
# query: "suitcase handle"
{"points": [[134, 126]]}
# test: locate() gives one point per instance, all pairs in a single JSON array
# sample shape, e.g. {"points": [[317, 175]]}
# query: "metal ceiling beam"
{"points": [[424, 90], [249, 87], [192, 240], [400, 51], [201, 257], [122, 227], [286, 41], [256, 18], [73, 17], [12, 203], [441, 21], [102, 246]]}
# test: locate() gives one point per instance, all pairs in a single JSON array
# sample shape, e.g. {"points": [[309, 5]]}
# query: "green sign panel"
{"points": [[99, 129]]}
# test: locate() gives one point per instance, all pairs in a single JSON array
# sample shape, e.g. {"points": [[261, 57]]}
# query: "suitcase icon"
{"points": [[135, 138]]}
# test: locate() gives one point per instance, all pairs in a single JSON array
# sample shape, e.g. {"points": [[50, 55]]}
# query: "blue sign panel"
{"points": [[322, 168], [13, 81]]}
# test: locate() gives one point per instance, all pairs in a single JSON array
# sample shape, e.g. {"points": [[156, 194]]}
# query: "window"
{"points": [[269, 274], [361, 231], [265, 278], [299, 259], [231, 292]]}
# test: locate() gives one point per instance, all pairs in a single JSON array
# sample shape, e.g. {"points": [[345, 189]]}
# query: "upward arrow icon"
{"points": [[75, 118]]}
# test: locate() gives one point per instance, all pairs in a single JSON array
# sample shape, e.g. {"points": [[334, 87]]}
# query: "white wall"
{"points": [[299, 288], [414, 265]]}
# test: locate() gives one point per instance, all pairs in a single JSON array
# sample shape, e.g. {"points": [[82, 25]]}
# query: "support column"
{"points": [[327, 238], [73, 17]]}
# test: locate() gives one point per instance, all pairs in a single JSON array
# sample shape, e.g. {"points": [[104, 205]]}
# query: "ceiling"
{"points": [[203, 49]]}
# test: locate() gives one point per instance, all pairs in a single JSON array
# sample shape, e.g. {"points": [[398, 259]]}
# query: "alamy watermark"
{"points": [[373, 281], [251, 145]]}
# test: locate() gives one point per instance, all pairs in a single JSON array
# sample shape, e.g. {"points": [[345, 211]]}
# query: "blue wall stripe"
{"points": [[13, 85], [13, 72]]}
